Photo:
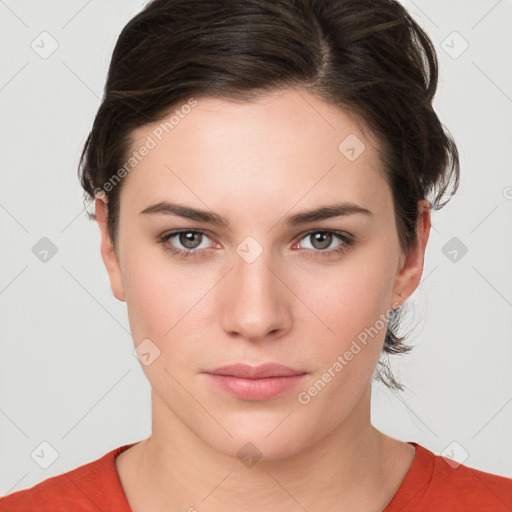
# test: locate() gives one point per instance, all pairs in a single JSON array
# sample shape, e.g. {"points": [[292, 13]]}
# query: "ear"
{"points": [[108, 253], [408, 278]]}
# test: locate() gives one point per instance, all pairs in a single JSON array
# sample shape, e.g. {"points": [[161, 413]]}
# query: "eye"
{"points": [[192, 242], [327, 242], [185, 242]]}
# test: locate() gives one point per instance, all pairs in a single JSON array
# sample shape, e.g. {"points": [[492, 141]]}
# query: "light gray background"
{"points": [[68, 374]]}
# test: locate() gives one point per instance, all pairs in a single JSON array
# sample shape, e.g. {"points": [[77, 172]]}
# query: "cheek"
{"points": [[350, 297], [346, 359], [154, 293], [352, 301], [167, 302]]}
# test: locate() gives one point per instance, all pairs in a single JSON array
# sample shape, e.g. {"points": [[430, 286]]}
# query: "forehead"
{"points": [[280, 148]]}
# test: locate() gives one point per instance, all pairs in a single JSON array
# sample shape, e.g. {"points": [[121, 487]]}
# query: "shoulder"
{"points": [[440, 483], [91, 487], [473, 488]]}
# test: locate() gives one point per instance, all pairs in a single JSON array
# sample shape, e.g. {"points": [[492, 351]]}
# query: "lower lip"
{"points": [[255, 389]]}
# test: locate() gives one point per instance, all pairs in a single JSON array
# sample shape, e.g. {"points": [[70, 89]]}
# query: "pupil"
{"points": [[324, 240], [187, 239]]}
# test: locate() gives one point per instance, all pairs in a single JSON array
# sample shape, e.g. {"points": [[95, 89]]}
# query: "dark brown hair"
{"points": [[368, 57]]}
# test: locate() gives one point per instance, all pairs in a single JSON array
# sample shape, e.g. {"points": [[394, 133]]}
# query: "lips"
{"points": [[261, 371], [261, 382]]}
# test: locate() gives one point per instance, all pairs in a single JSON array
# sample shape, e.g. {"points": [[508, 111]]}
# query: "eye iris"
{"points": [[187, 239], [324, 239]]}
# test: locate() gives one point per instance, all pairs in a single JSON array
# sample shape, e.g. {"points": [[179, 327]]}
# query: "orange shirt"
{"points": [[431, 485]]}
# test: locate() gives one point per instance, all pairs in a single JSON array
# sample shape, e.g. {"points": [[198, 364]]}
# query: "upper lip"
{"points": [[256, 372]]}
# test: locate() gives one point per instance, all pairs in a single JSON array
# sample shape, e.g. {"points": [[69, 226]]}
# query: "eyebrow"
{"points": [[321, 213]]}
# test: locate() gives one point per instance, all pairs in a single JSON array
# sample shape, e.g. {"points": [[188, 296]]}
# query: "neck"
{"points": [[355, 467]]}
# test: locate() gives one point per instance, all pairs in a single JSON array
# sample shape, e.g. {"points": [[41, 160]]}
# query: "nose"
{"points": [[256, 303]]}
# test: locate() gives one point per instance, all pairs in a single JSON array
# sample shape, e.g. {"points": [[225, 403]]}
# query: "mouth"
{"points": [[261, 382]]}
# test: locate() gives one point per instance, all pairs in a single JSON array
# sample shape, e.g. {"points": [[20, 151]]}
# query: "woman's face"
{"points": [[261, 284]]}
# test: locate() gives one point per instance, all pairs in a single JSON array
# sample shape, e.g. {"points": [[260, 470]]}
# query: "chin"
{"points": [[253, 441]]}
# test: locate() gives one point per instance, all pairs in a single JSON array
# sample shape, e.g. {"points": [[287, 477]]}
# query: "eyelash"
{"points": [[348, 242]]}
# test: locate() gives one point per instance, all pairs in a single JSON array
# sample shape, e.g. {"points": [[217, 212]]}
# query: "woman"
{"points": [[263, 175]]}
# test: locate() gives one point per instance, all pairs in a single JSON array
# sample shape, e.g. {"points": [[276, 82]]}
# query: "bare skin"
{"points": [[255, 164]]}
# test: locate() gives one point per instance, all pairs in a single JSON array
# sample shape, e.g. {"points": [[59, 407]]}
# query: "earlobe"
{"points": [[409, 276], [108, 252]]}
